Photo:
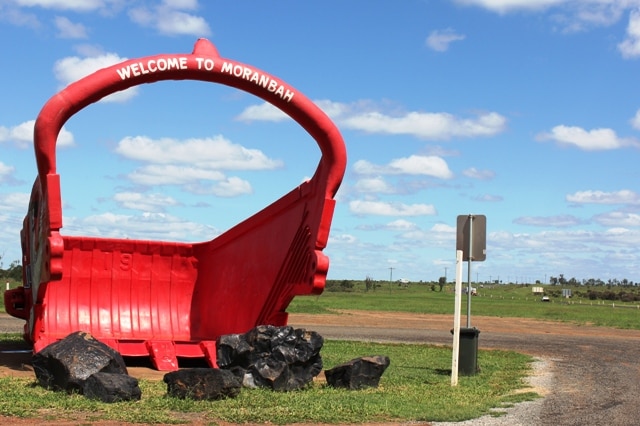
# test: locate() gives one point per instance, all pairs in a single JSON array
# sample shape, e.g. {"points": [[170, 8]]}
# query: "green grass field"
{"points": [[501, 301]]}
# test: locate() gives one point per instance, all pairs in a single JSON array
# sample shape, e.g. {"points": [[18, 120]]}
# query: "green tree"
{"points": [[15, 271], [369, 284]]}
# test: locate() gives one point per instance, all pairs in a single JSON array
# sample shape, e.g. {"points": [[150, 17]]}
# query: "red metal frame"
{"points": [[164, 299]]}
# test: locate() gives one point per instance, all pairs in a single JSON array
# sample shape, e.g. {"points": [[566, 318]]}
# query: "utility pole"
{"points": [[390, 277]]}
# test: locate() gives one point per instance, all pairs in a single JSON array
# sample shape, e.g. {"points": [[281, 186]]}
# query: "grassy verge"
{"points": [[501, 301], [415, 387]]}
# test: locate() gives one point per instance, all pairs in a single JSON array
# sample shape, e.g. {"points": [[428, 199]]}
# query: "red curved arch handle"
{"points": [[204, 64]]}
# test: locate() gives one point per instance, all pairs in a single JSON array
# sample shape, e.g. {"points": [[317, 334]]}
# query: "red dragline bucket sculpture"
{"points": [[168, 299]]}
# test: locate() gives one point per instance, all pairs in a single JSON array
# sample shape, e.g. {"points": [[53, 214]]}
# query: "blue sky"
{"points": [[525, 111]]}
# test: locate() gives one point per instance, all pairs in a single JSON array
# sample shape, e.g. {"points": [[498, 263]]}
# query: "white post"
{"points": [[456, 320], [7, 285]]}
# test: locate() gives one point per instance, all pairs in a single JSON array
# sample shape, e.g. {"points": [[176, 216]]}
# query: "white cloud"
{"points": [[263, 112], [144, 202], [13, 208], [474, 173], [422, 165], [635, 121], [569, 15], [17, 17], [440, 235], [412, 165], [172, 22], [68, 29], [16, 202], [22, 135], [623, 196], [341, 239], [169, 18], [147, 226], [75, 5], [381, 208], [401, 225], [169, 174], [228, 187], [443, 228], [588, 140], [216, 153], [630, 47], [5, 171], [194, 164], [368, 117], [374, 185], [556, 221], [181, 4], [70, 69], [616, 219], [335, 109], [191, 179], [439, 40], [488, 198], [504, 6], [427, 125]]}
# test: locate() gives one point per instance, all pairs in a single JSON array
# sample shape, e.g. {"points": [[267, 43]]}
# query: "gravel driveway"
{"points": [[589, 375]]}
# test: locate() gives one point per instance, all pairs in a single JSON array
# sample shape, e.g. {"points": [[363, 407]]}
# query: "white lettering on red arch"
{"points": [[243, 72]]}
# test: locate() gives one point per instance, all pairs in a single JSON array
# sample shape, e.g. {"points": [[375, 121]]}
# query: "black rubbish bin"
{"points": [[468, 351]]}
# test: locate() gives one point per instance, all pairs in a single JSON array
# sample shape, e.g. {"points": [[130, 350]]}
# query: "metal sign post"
{"points": [[472, 241], [470, 246]]}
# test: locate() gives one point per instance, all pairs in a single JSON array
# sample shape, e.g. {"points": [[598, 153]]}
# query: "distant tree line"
{"points": [[561, 280], [598, 294], [12, 273]]}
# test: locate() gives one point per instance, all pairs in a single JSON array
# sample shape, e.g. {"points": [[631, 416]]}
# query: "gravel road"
{"points": [[588, 375]]}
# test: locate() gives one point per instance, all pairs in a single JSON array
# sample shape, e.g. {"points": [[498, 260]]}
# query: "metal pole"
{"points": [[469, 271], [456, 320]]}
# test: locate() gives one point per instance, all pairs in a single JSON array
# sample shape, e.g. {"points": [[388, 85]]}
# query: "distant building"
{"points": [[537, 290]]}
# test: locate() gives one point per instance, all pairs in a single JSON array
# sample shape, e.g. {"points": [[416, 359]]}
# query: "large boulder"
{"points": [[202, 384], [112, 387], [358, 373], [67, 364]]}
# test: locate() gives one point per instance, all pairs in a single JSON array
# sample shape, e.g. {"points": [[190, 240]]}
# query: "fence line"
{"points": [[571, 302]]}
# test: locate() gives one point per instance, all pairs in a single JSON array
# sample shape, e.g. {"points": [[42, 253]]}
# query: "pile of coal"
{"points": [[279, 358]]}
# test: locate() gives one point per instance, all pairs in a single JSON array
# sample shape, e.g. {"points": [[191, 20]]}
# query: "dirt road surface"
{"points": [[595, 371]]}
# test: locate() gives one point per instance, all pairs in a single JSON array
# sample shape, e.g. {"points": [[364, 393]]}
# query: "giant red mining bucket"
{"points": [[169, 300]]}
